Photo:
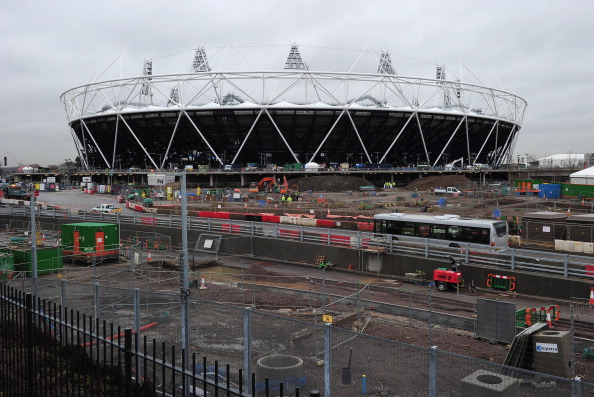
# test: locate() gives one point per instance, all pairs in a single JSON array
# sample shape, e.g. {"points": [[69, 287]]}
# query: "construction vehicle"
{"points": [[452, 166], [271, 185], [267, 184]]}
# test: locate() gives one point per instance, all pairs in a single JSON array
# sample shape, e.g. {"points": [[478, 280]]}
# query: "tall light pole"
{"points": [[33, 244], [185, 284]]}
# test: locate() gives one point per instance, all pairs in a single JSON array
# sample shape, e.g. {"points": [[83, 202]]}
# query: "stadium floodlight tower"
{"points": [[385, 64], [291, 112], [294, 60], [200, 63], [146, 82]]}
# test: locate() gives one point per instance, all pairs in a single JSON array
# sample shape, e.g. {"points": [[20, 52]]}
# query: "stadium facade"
{"points": [[291, 115]]}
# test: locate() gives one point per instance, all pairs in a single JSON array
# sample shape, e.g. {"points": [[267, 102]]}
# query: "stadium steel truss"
{"points": [[293, 115]]}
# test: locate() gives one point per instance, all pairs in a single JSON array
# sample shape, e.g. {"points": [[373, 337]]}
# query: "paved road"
{"points": [[78, 200]]}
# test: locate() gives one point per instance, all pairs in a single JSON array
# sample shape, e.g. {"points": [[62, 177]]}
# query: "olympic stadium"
{"points": [[290, 114]]}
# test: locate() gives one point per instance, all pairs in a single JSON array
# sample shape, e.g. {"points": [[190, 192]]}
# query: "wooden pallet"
{"points": [[320, 259]]}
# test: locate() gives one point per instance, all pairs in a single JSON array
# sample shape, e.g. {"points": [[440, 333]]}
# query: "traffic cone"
{"points": [[569, 211], [549, 319], [591, 302], [583, 202], [202, 284], [149, 258]]}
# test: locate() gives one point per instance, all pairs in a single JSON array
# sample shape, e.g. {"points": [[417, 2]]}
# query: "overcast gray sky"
{"points": [[542, 51]]}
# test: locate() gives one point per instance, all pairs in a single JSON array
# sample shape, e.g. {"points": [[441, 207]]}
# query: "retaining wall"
{"points": [[378, 263]]}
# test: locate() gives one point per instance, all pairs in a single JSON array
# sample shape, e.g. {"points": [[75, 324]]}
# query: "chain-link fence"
{"points": [[273, 326]]}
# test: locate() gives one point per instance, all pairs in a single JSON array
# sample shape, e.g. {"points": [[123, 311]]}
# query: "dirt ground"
{"points": [[323, 195], [397, 328]]}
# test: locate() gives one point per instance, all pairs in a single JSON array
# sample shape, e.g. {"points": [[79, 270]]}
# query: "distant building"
{"points": [[589, 160], [566, 160], [6, 173]]}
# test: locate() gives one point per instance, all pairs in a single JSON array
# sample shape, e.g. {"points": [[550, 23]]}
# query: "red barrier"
{"points": [[344, 241], [205, 214], [271, 218], [292, 234], [365, 227], [145, 220], [325, 223], [220, 215], [230, 228]]}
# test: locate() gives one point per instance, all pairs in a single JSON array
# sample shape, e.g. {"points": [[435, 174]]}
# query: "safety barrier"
{"points": [[532, 315], [505, 283]]}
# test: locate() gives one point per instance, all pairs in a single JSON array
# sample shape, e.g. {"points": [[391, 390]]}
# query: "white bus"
{"points": [[454, 229]]}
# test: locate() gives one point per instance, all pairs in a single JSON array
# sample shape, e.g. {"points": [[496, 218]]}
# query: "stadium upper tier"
{"points": [[290, 116]]}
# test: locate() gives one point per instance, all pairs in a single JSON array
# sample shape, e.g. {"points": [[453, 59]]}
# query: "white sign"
{"points": [[547, 348], [546, 229], [86, 179], [208, 243], [159, 179], [51, 179]]}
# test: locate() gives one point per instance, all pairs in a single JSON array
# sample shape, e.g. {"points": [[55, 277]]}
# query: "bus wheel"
{"points": [[442, 286], [454, 246]]}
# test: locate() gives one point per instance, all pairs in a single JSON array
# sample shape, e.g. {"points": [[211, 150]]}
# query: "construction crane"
{"points": [[15, 160]]}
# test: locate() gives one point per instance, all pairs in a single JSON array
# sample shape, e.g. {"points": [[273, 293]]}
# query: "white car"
{"points": [[107, 208]]}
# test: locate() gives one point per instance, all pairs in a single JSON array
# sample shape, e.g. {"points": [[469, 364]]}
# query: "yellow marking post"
{"points": [[327, 318]]}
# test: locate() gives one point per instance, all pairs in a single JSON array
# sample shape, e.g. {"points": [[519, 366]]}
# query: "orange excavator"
{"points": [[270, 184]]}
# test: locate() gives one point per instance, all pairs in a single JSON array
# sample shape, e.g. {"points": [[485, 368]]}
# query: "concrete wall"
{"points": [[538, 284]]}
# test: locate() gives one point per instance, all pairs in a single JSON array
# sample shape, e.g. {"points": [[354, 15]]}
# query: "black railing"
{"points": [[47, 349]]}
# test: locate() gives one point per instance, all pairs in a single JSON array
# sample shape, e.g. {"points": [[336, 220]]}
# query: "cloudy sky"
{"points": [[542, 51]]}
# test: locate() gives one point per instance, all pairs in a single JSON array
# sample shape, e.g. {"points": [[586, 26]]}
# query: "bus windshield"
{"points": [[500, 229]]}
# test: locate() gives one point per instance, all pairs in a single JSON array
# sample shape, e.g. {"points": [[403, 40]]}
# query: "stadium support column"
{"points": [[211, 177]]}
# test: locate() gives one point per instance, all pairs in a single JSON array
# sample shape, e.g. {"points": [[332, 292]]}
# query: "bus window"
{"points": [[439, 231], [393, 227], [453, 232], [475, 235], [380, 226], [424, 230], [408, 229], [484, 237]]}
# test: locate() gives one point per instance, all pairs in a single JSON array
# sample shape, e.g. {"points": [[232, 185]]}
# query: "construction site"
{"points": [[378, 305]]}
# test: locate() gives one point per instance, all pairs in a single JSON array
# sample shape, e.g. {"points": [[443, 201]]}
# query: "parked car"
{"points": [[107, 208]]}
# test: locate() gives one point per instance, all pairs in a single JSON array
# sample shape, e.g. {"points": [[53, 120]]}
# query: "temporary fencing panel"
{"points": [[496, 320], [505, 283]]}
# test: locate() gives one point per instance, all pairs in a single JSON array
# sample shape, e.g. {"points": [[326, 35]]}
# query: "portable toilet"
{"points": [[88, 240]]}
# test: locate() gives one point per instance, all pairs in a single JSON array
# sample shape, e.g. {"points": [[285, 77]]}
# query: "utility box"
{"points": [[489, 384], [87, 240], [49, 260], [552, 353]]}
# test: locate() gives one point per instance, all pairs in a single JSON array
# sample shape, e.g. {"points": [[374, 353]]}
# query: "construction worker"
{"points": [[289, 199], [283, 198]]}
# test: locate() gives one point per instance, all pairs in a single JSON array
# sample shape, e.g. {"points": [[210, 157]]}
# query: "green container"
{"points": [[6, 265], [87, 240], [570, 190], [49, 260]]}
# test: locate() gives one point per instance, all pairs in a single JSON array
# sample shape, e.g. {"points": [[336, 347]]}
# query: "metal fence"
{"points": [[264, 341], [551, 263]]}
